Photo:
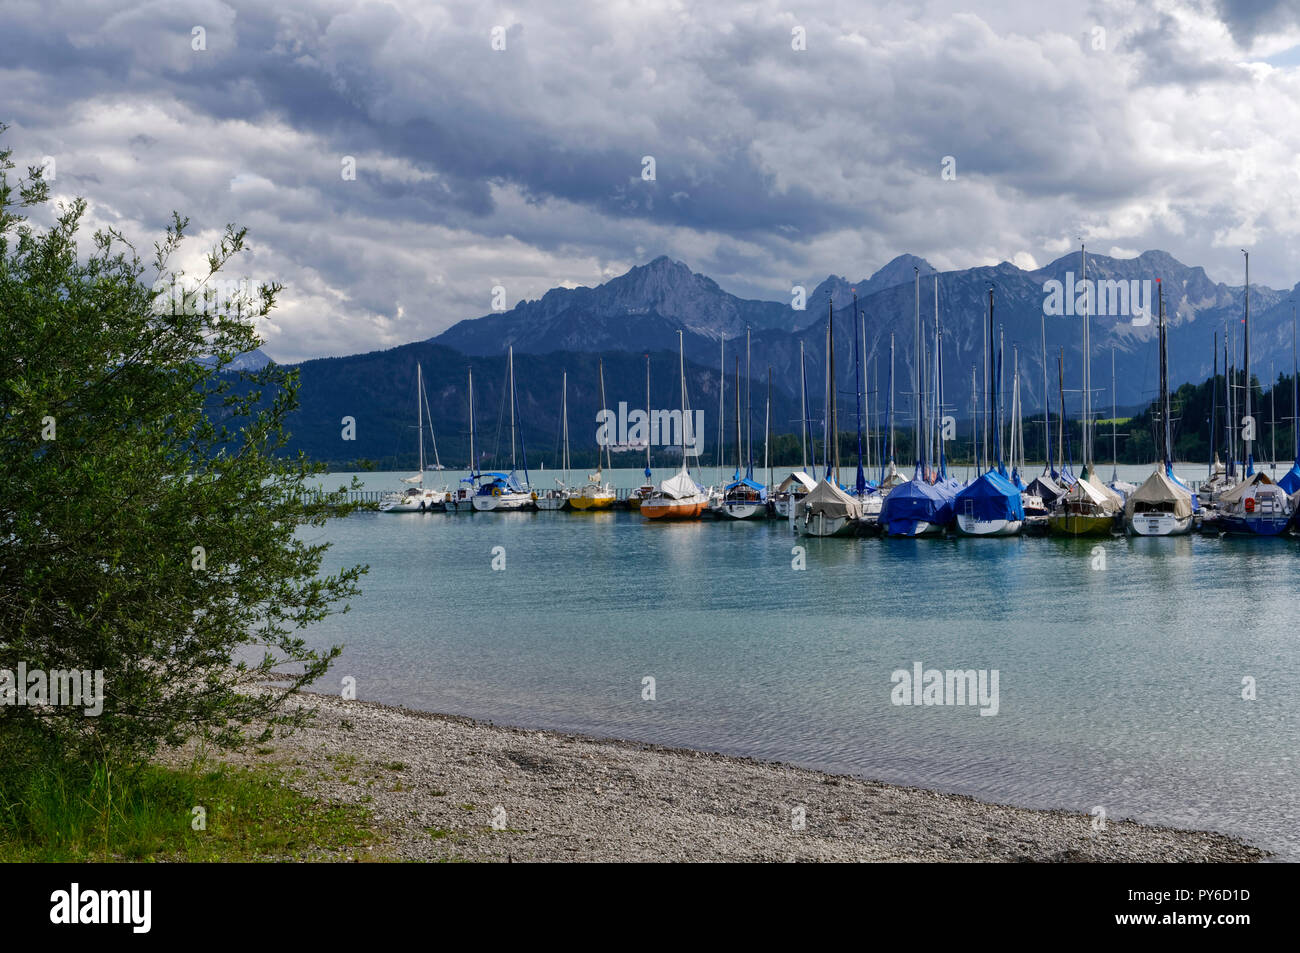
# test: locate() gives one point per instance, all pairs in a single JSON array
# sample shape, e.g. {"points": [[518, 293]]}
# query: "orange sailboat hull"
{"points": [[660, 510]]}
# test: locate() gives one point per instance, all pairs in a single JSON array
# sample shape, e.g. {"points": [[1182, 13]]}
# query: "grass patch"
{"points": [[72, 812]]}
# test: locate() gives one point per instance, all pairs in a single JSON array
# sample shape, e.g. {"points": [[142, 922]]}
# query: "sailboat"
{"points": [[499, 492], [918, 507], [462, 500], [799, 483], [596, 494], [827, 510], [1161, 506], [1089, 507], [864, 491], [1291, 479], [990, 505], [890, 477], [646, 489], [679, 497], [1257, 506], [558, 498], [744, 498], [1122, 487], [417, 498]]}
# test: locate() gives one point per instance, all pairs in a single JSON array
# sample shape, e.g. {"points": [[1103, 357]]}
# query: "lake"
{"points": [[1118, 687]]}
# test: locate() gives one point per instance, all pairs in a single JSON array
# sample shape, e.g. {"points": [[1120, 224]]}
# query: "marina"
{"points": [[1121, 678]]}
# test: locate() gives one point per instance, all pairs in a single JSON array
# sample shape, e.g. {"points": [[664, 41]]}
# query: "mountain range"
{"points": [[642, 311]]}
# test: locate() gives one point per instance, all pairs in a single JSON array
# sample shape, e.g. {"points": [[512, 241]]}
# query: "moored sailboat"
{"points": [[418, 498], [596, 494], [501, 492], [1161, 506], [679, 497]]}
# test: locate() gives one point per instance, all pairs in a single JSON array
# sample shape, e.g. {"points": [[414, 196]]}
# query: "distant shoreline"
{"points": [[436, 783]]}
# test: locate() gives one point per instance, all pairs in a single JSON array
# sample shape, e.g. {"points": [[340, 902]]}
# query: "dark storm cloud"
{"points": [[523, 167]]}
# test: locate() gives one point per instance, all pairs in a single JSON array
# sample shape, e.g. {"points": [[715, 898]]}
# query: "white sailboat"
{"points": [[679, 497], [558, 498], [417, 498], [500, 492]]}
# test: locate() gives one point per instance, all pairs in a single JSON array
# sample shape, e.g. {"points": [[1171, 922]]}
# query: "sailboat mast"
{"points": [[938, 384], [647, 411], [803, 411], [891, 397], [1214, 402], [749, 412], [767, 427], [826, 400], [830, 382], [920, 382], [1060, 431], [1272, 413], [681, 372], [974, 416], [564, 411], [511, 361], [861, 484], [722, 396], [1164, 381], [740, 444], [1295, 393], [1047, 404], [1245, 350], [866, 390], [473, 458], [1114, 434], [419, 414], [1087, 365]]}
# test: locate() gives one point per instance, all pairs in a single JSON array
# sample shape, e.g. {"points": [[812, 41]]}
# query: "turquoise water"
{"points": [[1118, 687]]}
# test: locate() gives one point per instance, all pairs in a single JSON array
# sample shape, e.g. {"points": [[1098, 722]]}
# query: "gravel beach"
{"points": [[450, 788]]}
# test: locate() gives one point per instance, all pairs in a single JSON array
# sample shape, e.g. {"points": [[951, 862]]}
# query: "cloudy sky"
{"points": [[1173, 124]]}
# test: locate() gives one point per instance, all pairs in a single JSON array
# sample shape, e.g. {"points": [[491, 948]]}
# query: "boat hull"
{"points": [[1235, 525], [910, 528], [504, 503], [1076, 524], [743, 510], [675, 510], [821, 525], [601, 502], [970, 526], [1160, 524]]}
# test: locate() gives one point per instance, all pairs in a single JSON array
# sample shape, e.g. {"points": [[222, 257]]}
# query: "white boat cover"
{"points": [[1086, 492], [800, 478], [1114, 502], [1161, 491], [830, 501], [893, 478], [1228, 497], [679, 487]]}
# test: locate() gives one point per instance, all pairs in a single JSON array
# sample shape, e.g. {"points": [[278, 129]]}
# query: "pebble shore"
{"points": [[444, 787]]}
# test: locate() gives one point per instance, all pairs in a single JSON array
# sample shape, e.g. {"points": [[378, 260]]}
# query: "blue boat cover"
{"points": [[746, 482], [918, 501], [990, 497], [1291, 480]]}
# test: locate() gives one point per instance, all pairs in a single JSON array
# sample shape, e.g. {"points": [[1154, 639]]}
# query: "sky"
{"points": [[499, 145]]}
